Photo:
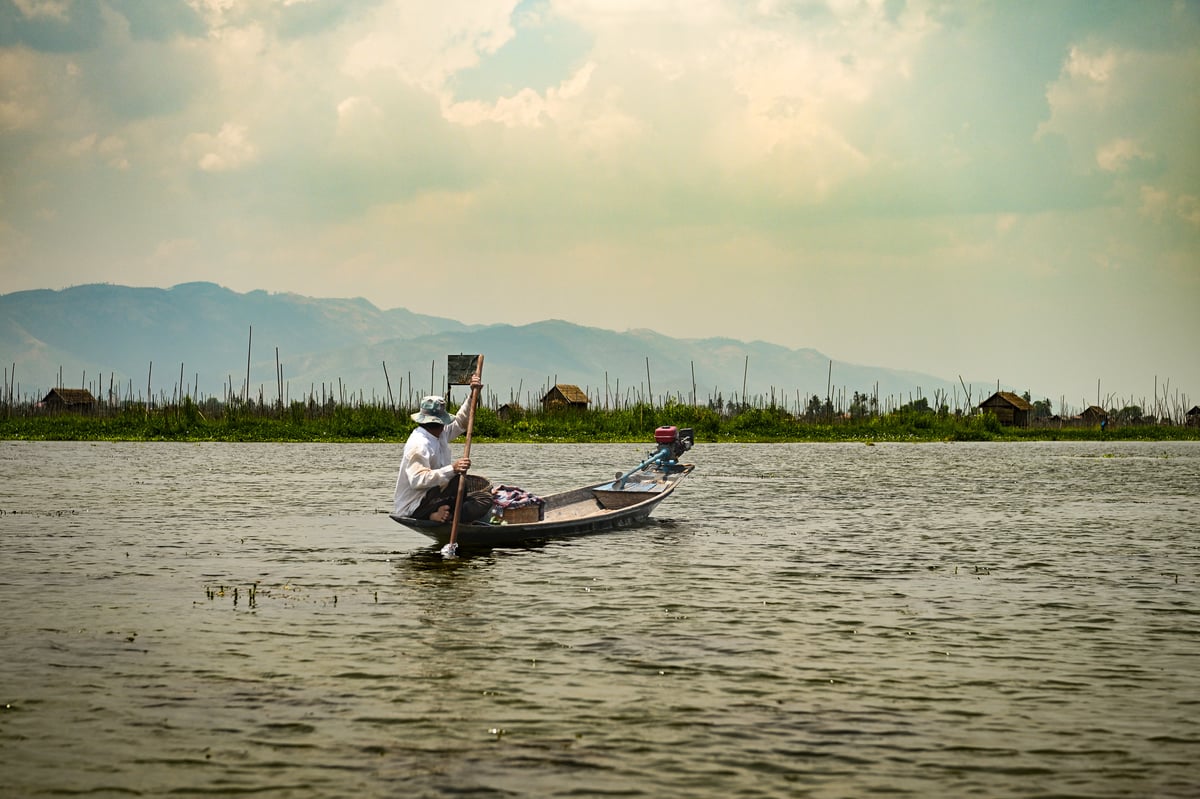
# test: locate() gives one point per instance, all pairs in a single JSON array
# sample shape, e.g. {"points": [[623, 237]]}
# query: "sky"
{"points": [[1002, 190]]}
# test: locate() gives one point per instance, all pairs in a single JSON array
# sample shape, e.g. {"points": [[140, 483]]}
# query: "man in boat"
{"points": [[427, 486]]}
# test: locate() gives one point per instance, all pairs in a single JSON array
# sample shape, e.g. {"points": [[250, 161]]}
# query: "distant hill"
{"points": [[97, 335]]}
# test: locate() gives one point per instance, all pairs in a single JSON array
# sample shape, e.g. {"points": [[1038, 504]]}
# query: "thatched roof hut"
{"points": [[1009, 408], [565, 395], [76, 400]]}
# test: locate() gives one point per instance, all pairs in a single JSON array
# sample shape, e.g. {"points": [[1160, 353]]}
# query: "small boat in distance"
{"points": [[624, 501]]}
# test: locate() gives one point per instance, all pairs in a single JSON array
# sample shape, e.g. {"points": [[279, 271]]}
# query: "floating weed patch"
{"points": [[67, 512], [249, 596], [236, 593]]}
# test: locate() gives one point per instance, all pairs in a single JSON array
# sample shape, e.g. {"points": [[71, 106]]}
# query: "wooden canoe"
{"points": [[591, 509]]}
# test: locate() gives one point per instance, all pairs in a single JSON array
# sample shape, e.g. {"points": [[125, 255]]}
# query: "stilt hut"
{"points": [[1093, 414], [1193, 416], [564, 395], [73, 400], [1009, 409]]}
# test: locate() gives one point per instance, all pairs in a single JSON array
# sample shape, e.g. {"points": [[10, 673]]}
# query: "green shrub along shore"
{"points": [[636, 424]]}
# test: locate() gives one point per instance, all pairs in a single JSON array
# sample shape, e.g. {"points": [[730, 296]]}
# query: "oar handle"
{"points": [[462, 478]]}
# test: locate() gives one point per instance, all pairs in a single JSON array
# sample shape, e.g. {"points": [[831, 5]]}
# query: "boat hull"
{"points": [[582, 511]]}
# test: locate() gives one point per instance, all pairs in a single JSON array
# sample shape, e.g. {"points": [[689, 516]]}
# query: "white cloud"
{"points": [[1162, 205], [1188, 208], [1116, 154], [22, 103], [759, 96], [356, 111], [82, 146], [362, 128], [214, 12], [15, 116], [526, 108], [1156, 202], [113, 150], [227, 150], [56, 9], [423, 44], [1096, 68], [1115, 106], [1081, 99]]}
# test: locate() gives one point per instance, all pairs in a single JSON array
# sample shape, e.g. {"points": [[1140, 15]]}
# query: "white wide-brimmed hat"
{"points": [[433, 411]]}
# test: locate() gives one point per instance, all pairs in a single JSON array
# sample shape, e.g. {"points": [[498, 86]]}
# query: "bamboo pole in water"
{"points": [[828, 389], [649, 390], [249, 341], [745, 374]]}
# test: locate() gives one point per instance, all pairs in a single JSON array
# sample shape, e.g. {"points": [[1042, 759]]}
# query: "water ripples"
{"points": [[798, 620]]}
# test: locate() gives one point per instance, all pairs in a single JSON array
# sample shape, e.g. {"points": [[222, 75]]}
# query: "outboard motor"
{"points": [[672, 442]]}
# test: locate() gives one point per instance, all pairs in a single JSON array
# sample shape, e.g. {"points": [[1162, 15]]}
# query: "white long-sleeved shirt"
{"points": [[427, 462]]}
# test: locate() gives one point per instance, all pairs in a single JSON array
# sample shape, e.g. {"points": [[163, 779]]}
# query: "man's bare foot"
{"points": [[441, 515]]}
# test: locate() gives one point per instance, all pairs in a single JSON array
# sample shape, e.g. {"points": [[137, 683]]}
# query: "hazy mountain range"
{"points": [[101, 335]]}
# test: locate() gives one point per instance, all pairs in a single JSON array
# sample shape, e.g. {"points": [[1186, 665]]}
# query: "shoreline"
{"points": [[1016, 436], [635, 425]]}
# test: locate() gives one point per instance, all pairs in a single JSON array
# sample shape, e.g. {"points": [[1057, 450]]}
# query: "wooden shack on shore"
{"points": [[70, 400], [1093, 414], [1193, 416], [565, 395], [1009, 409]]}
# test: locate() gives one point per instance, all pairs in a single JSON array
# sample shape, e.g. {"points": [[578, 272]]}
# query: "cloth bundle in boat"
{"points": [[516, 505]]}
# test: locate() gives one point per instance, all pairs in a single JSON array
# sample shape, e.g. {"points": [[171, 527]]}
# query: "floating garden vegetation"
{"points": [[301, 422]]}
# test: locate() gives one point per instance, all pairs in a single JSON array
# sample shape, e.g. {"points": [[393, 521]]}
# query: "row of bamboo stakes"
{"points": [[1166, 406]]}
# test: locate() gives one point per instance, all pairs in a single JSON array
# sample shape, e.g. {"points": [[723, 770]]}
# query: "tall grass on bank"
{"points": [[305, 423]]}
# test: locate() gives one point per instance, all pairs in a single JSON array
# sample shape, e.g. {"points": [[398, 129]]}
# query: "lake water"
{"points": [[810, 620]]}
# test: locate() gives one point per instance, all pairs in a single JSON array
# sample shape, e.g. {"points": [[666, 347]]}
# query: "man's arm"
{"points": [[422, 476]]}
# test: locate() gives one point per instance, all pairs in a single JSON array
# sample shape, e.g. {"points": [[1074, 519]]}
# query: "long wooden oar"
{"points": [[451, 549]]}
